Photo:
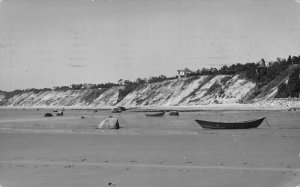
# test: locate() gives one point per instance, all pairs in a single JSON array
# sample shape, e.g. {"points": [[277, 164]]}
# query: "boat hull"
{"points": [[231, 125], [158, 114]]}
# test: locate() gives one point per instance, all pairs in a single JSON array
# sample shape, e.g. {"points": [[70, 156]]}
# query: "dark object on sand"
{"points": [[231, 125], [82, 117], [174, 113], [122, 108], [109, 123], [116, 110], [155, 114], [48, 115], [55, 111], [60, 113], [95, 111], [292, 109]]}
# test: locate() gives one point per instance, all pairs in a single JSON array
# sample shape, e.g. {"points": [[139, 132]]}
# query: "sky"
{"points": [[47, 43]]}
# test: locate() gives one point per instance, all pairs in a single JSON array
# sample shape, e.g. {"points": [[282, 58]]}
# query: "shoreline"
{"points": [[265, 106]]}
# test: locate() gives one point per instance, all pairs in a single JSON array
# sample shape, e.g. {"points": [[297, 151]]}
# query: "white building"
{"points": [[184, 72]]}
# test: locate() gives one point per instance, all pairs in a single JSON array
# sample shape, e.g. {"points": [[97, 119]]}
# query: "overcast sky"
{"points": [[44, 43]]}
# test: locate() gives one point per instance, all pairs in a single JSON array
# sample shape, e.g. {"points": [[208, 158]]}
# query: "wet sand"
{"points": [[167, 151]]}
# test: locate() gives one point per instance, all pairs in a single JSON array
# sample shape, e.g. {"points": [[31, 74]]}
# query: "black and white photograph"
{"points": [[150, 93]]}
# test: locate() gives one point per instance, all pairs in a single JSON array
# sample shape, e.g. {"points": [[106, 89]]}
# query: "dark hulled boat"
{"points": [[155, 114], [230, 125]]}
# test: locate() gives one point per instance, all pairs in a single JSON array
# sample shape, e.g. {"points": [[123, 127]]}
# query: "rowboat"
{"points": [[230, 125], [156, 114]]}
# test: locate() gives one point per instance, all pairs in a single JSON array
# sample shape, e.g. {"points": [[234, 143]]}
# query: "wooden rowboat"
{"points": [[156, 114], [230, 125]]}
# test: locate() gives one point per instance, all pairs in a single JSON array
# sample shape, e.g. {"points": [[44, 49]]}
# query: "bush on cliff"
{"points": [[293, 84]]}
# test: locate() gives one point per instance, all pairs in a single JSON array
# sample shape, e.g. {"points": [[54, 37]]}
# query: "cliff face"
{"points": [[202, 90], [76, 98], [185, 91], [191, 91]]}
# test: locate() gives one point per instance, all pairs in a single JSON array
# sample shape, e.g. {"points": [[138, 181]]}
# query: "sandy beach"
{"points": [[165, 151]]}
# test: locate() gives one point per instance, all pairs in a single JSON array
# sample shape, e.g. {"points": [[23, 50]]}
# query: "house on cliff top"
{"points": [[184, 72]]}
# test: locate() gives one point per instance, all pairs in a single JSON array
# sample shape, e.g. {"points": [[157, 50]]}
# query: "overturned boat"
{"points": [[230, 125]]}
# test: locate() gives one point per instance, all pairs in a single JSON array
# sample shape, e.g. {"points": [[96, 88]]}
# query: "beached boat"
{"points": [[155, 114], [230, 125]]}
